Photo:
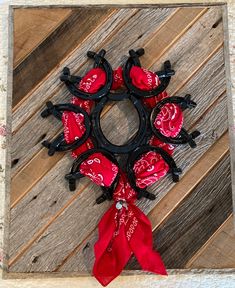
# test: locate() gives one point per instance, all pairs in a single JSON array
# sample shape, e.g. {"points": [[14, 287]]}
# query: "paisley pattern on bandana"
{"points": [[170, 120], [99, 169], [149, 169]]}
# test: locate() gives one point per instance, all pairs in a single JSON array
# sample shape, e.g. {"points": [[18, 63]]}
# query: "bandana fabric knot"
{"points": [[124, 230]]}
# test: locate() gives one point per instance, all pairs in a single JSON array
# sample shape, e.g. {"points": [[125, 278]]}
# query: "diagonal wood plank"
{"points": [[45, 242], [196, 218], [32, 26], [20, 213], [219, 246], [162, 209], [54, 48], [28, 174]]}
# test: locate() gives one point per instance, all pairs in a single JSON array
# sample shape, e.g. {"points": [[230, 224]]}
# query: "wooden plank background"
{"points": [[192, 39]]}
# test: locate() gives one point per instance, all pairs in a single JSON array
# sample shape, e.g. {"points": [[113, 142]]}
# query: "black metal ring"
{"points": [[136, 155], [103, 142], [183, 137], [59, 143], [101, 62], [165, 75], [75, 173]]}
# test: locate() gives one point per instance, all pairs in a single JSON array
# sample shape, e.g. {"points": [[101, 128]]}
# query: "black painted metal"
{"points": [[135, 147]]}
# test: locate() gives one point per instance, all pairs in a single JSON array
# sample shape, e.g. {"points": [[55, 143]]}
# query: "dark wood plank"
{"points": [[193, 222], [54, 48]]}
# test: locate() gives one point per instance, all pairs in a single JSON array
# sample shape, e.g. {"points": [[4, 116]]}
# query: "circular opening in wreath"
{"points": [[125, 122]]}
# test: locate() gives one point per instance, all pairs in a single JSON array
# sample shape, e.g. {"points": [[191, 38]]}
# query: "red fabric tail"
{"points": [[124, 229]]}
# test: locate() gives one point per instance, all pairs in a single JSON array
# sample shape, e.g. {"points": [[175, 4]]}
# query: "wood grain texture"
{"points": [[219, 246], [54, 48], [32, 26], [184, 69]]}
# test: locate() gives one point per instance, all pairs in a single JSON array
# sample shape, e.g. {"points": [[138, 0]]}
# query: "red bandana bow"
{"points": [[124, 229]]}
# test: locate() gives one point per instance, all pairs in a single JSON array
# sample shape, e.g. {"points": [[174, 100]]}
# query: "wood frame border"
{"points": [[215, 277]]}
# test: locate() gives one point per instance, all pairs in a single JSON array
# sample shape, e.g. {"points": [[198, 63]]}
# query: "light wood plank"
{"points": [[32, 26]]}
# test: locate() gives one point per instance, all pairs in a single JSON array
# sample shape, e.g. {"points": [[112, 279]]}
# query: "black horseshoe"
{"points": [[183, 137], [102, 141], [59, 144], [75, 173], [136, 155], [101, 62], [164, 75]]}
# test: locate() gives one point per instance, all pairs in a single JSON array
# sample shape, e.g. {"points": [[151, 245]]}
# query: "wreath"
{"points": [[124, 229]]}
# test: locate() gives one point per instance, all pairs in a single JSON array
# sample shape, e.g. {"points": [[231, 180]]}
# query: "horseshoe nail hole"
{"points": [[217, 23], [35, 259], [14, 162], [86, 246], [53, 203], [41, 138], [34, 198], [140, 36]]}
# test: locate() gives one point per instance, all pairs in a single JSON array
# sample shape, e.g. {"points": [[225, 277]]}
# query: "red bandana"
{"points": [[99, 169], [124, 229], [117, 78], [170, 120], [151, 102], [143, 78], [149, 169], [154, 141], [93, 81]]}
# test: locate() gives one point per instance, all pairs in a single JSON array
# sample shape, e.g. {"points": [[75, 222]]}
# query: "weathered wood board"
{"points": [[192, 38]]}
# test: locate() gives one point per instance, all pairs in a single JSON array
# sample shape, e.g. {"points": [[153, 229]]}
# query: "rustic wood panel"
{"points": [[194, 45], [32, 26], [184, 69], [54, 48], [213, 63]]}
